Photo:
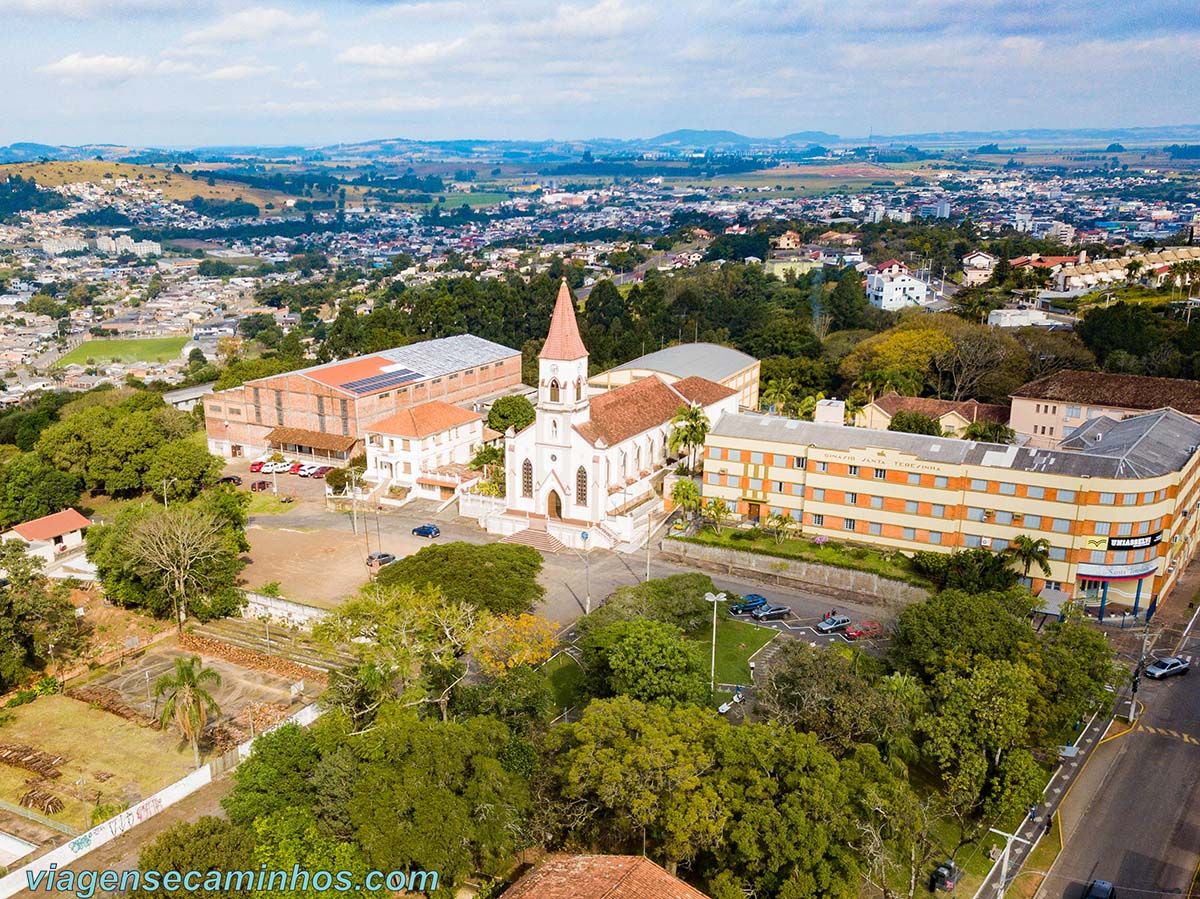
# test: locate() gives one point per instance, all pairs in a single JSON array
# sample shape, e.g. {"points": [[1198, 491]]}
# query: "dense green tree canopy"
{"points": [[499, 577]]}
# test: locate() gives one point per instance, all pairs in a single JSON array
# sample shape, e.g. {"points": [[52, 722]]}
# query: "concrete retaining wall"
{"points": [[825, 579], [259, 605]]}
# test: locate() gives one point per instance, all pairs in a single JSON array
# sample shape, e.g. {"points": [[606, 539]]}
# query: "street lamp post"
{"points": [[1008, 841], [716, 599], [587, 574], [166, 483]]}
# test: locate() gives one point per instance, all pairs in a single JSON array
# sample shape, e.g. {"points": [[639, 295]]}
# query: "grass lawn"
{"points": [[267, 504], [831, 552], [566, 681], [150, 349], [93, 743], [736, 642], [1033, 872]]}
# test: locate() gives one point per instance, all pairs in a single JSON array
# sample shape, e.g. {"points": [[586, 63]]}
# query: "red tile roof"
{"points": [[563, 343], [600, 877], [421, 421], [1036, 261], [884, 266], [51, 526], [703, 391], [971, 410], [1096, 388], [631, 409]]}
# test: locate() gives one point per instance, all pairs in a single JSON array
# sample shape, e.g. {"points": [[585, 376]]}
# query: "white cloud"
{"points": [[238, 72], [381, 56], [89, 9], [258, 23], [77, 67], [174, 67]]}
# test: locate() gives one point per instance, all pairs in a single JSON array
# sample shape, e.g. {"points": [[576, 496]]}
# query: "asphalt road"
{"points": [[1138, 821]]}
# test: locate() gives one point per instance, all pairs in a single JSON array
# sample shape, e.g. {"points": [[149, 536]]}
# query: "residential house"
{"points": [[977, 268], [52, 535], [424, 449], [600, 877], [953, 416]]}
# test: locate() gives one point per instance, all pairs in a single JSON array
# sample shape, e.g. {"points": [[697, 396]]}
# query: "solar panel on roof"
{"points": [[379, 382]]}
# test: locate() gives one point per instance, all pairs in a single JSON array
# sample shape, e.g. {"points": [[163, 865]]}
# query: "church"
{"points": [[588, 472]]}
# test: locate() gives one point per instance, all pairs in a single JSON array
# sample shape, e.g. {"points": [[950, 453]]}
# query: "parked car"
{"points": [[257, 466], [1100, 889], [378, 560], [771, 613], [1168, 667], [260, 486], [749, 603], [864, 630], [307, 470], [295, 468], [321, 471], [231, 479], [833, 624], [427, 530], [275, 467]]}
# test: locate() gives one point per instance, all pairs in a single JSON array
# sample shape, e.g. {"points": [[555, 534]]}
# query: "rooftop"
{"points": [[50, 526], [648, 403], [1148, 445], [708, 360], [600, 877], [1095, 388], [423, 420], [563, 341], [971, 410]]}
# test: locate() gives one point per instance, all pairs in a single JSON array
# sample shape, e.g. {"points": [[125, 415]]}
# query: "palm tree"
{"points": [[686, 495], [781, 524], [779, 395], [718, 511], [691, 427], [1025, 552], [808, 406], [188, 704], [1132, 269]]}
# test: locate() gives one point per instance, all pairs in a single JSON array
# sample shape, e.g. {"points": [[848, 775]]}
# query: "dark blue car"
{"points": [[426, 530], [749, 603]]}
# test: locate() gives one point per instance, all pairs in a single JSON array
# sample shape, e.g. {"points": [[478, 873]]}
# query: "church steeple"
{"points": [[563, 343]]}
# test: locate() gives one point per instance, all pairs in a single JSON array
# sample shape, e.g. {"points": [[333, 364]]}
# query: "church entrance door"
{"points": [[554, 505]]}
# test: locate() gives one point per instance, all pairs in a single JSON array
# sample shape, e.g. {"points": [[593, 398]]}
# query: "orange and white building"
{"points": [[424, 449], [1117, 503]]}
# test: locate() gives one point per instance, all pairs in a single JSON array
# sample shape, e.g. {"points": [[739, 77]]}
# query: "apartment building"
{"points": [[324, 411], [1046, 411], [1117, 504]]}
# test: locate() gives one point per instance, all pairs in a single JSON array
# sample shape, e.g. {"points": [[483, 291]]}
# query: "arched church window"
{"points": [[554, 389], [581, 486], [578, 391], [527, 478], [553, 430]]}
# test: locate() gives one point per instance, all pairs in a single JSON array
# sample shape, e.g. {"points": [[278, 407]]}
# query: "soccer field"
{"points": [[150, 349]]}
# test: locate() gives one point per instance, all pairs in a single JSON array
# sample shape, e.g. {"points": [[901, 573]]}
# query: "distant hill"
{"points": [[689, 137]]}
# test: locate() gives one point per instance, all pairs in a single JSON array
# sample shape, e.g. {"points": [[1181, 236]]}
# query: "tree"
{"points": [[499, 577], [38, 624], [604, 305], [685, 493], [276, 776], [1026, 552], [184, 467], [1128, 327], [29, 489], [911, 422], [188, 704], [989, 432], [782, 524], [977, 569], [847, 305], [718, 512], [512, 640], [689, 428], [648, 660], [677, 600], [779, 395], [208, 844], [514, 412]]}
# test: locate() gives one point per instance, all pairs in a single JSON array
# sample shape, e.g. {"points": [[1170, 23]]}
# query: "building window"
{"points": [[756, 484], [1121, 557], [914, 479], [1097, 557], [941, 481], [818, 521], [881, 474], [978, 486], [876, 502], [999, 545], [910, 506], [1033, 522], [714, 478], [974, 514], [972, 541], [850, 524], [852, 471], [937, 511], [1129, 499], [1073, 412], [1107, 499], [1035, 492], [852, 499], [735, 455], [554, 390], [1057, 554], [756, 458], [1008, 489], [1125, 529], [1062, 525], [935, 537], [714, 452], [875, 529], [818, 493], [345, 418], [527, 479], [1148, 497], [910, 534], [1003, 517], [780, 461], [1065, 496], [822, 466], [581, 486], [801, 463]]}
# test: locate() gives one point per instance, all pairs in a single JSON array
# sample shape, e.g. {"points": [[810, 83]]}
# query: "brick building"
{"points": [[324, 411], [1117, 503]]}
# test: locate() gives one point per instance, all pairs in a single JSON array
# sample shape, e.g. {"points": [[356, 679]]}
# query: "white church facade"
{"points": [[594, 465]]}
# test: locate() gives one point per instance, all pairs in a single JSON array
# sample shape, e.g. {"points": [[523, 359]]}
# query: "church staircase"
{"points": [[539, 538]]}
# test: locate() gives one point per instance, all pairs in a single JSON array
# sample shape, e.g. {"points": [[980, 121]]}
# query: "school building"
{"points": [[1117, 502]]}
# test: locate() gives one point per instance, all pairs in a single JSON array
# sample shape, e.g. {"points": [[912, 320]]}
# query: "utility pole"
{"points": [[587, 575], [716, 599], [1137, 672], [167, 482], [1008, 841]]}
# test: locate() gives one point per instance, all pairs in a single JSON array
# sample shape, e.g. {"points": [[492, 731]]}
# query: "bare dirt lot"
{"points": [[317, 568]]}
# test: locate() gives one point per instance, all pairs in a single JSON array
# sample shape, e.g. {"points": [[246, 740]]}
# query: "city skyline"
{"points": [[209, 72]]}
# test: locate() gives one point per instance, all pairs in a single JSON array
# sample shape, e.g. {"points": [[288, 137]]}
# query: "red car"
{"points": [[864, 630], [322, 471], [256, 466], [295, 469]]}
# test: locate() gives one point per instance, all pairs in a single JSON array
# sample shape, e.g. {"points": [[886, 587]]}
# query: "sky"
{"points": [[174, 73]]}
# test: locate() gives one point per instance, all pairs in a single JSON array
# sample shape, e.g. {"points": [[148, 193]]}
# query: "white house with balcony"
{"points": [[895, 291], [424, 449]]}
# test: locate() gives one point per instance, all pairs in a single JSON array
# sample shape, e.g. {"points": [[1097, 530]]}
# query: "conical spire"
{"points": [[563, 343]]}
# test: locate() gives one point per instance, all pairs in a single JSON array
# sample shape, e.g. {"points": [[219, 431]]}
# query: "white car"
{"points": [[276, 467], [1167, 668], [307, 470]]}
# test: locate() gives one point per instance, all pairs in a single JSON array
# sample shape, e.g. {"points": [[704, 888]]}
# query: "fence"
{"points": [[71, 851], [296, 614]]}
